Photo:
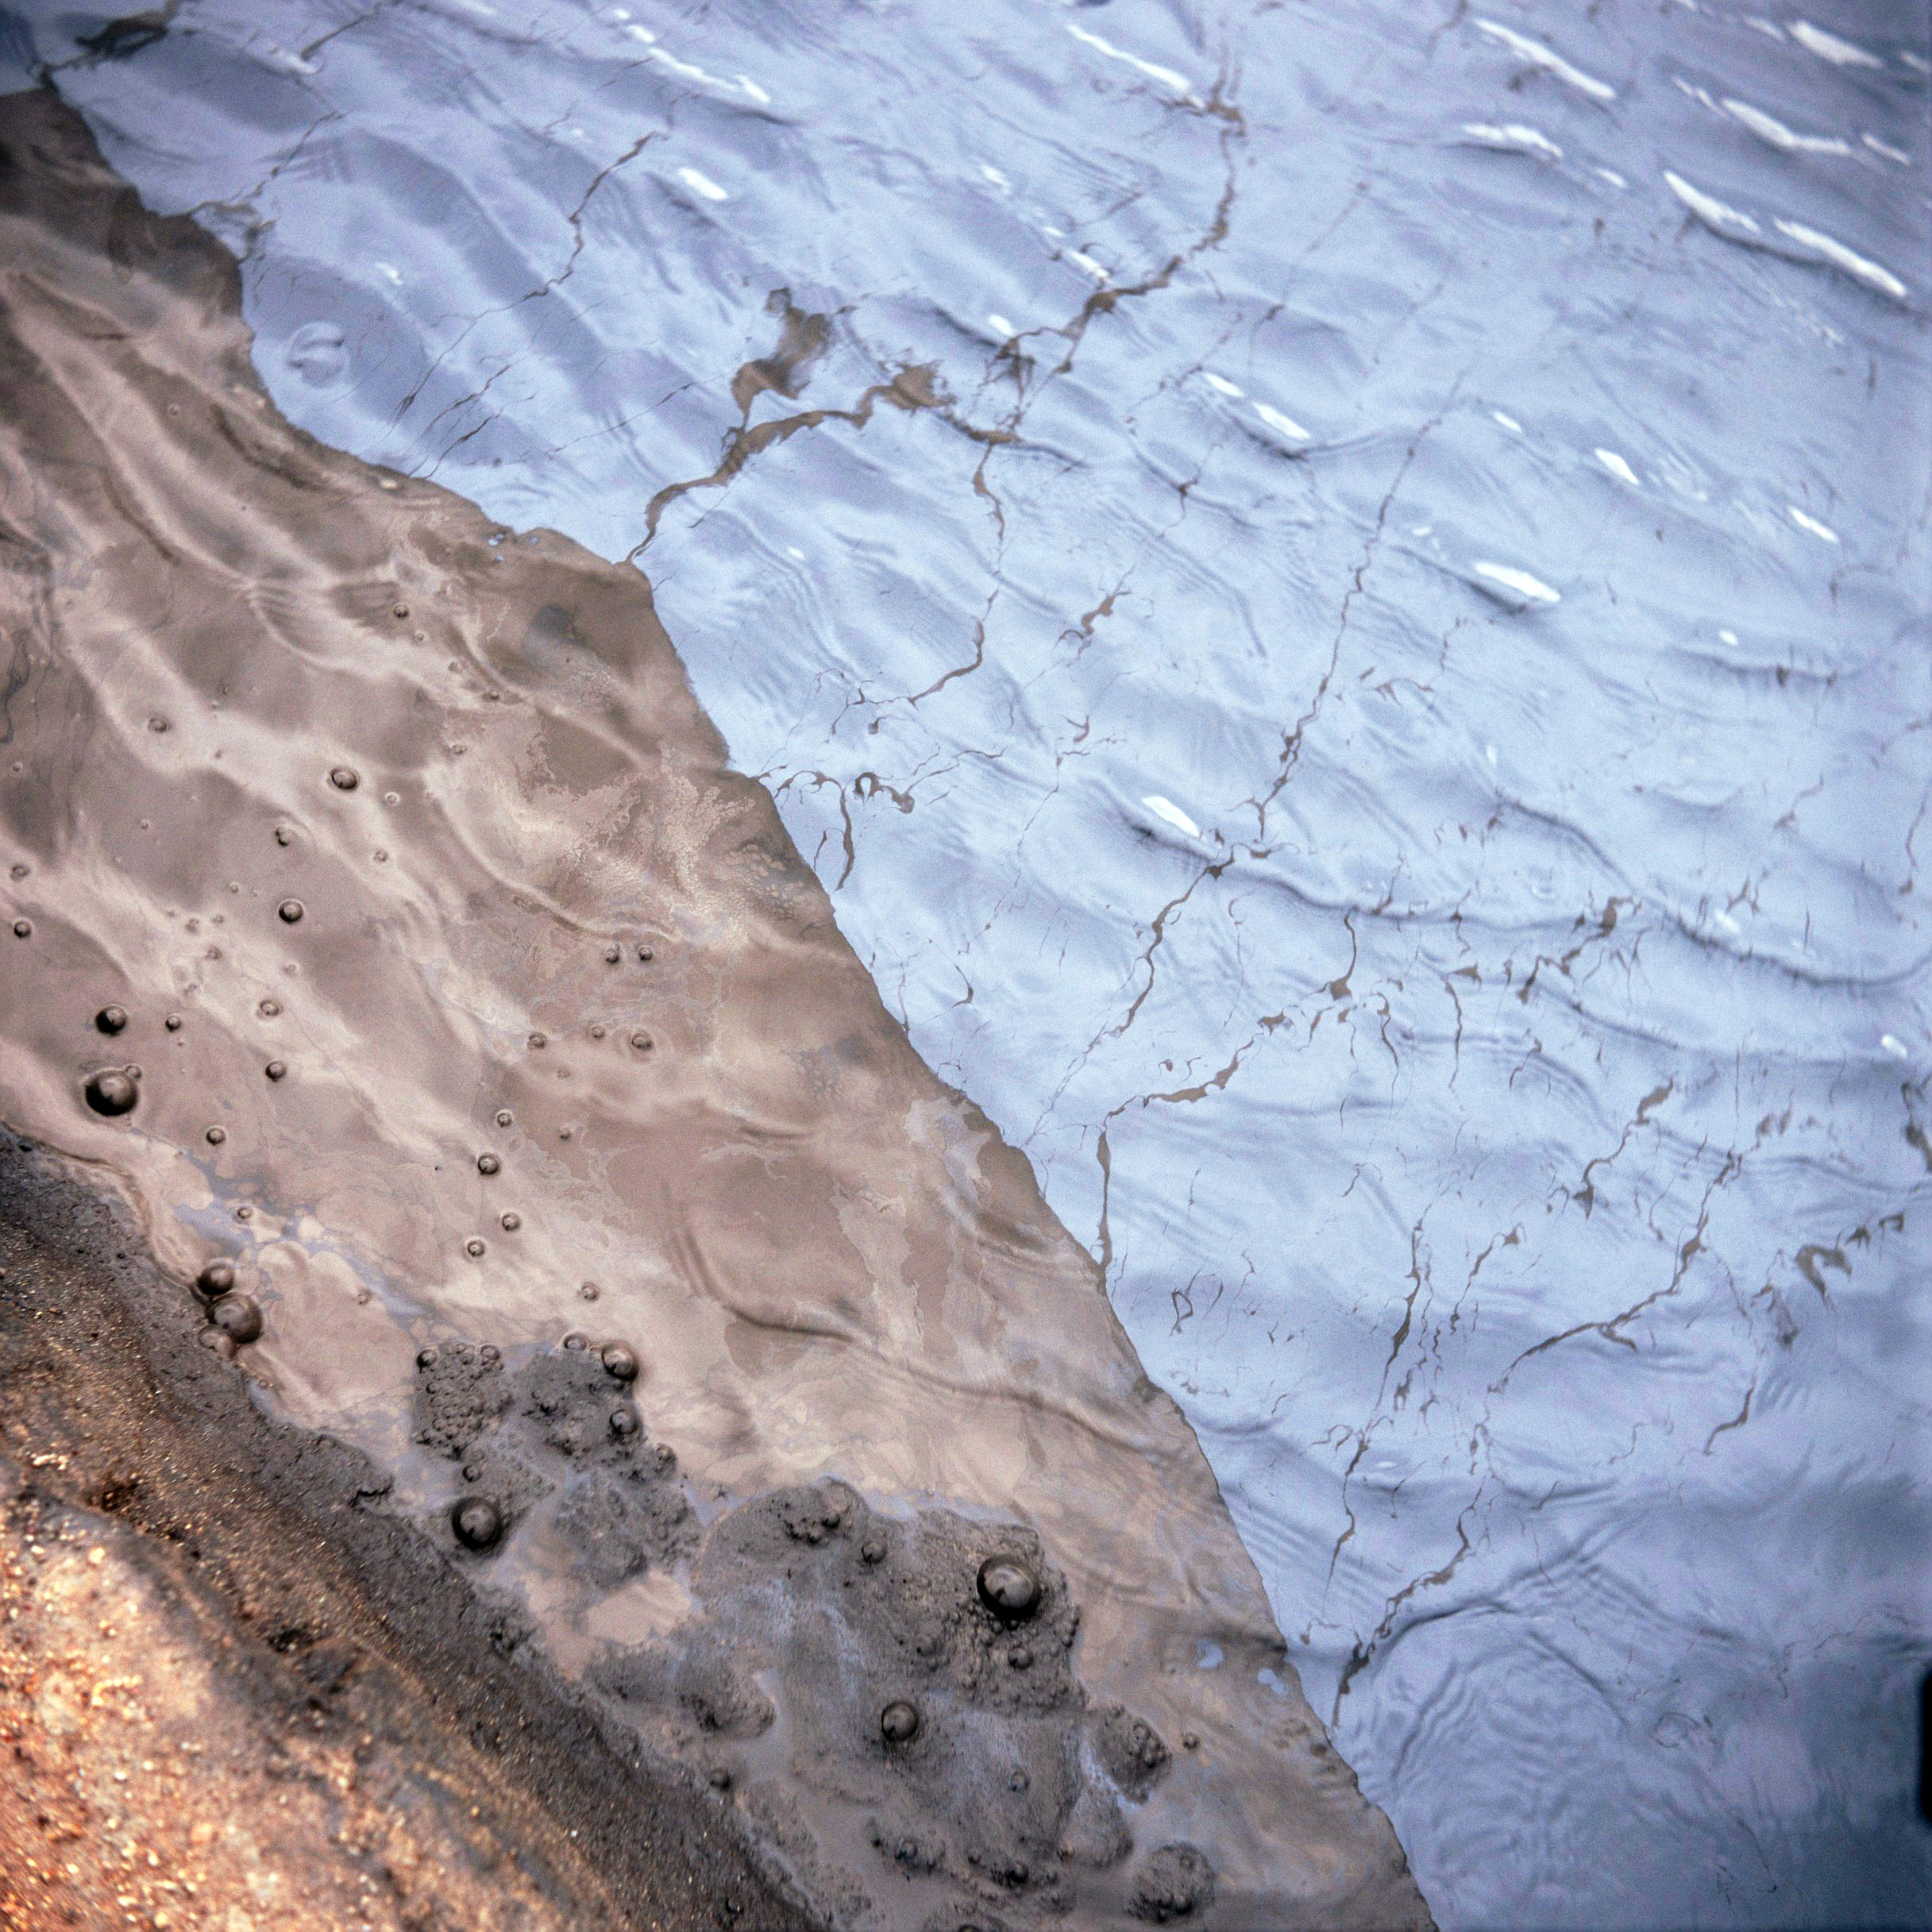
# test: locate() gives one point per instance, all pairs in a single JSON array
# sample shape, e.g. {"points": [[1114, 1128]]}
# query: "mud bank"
{"points": [[536, 1200], [263, 1678]]}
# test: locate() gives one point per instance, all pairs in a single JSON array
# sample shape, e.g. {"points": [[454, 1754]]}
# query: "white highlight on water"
{"points": [[1769, 129], [1167, 811], [1874, 275], [1166, 75], [1514, 136], [1725, 219], [1548, 59], [1812, 524], [1533, 590], [1828, 47], [1287, 425]]}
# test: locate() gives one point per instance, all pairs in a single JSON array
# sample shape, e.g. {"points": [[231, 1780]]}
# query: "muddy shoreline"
{"points": [[392, 935], [329, 1614]]}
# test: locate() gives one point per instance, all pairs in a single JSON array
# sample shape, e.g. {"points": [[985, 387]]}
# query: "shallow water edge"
{"points": [[387, 923]]}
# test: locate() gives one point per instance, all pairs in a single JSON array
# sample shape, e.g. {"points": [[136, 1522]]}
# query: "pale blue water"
{"points": [[1383, 731]]}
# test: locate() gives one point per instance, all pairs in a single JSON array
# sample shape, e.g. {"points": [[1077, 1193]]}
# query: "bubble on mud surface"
{"points": [[642, 1041], [112, 1091], [475, 1247], [510, 1221], [477, 1522], [1008, 1588], [345, 778], [285, 834], [276, 1070], [172, 1023], [216, 1279], [215, 1135], [620, 1360], [317, 353], [461, 1394], [505, 1117], [238, 1317], [23, 929], [218, 1343], [488, 1163], [290, 911], [1130, 1749], [111, 1019], [969, 1772], [269, 1009], [616, 1514]]}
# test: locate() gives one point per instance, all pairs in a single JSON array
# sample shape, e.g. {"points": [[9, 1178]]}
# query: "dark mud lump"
{"points": [[1175, 1883]]}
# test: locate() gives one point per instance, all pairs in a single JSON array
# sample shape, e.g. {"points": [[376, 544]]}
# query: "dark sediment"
{"points": [[322, 1614]]}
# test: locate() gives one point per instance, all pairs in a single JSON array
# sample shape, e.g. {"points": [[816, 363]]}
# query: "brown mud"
{"points": [[266, 1680], [543, 1257]]}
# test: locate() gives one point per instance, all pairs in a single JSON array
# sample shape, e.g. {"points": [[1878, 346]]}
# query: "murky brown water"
{"points": [[474, 1001]]}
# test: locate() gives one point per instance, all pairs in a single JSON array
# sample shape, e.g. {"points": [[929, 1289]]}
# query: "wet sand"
{"points": [[483, 1021]]}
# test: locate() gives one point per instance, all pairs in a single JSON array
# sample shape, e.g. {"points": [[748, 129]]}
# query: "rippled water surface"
{"points": [[1337, 595]]}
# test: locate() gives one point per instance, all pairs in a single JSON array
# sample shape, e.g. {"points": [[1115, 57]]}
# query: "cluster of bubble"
{"points": [[478, 1521], [234, 1318], [1010, 1590]]}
